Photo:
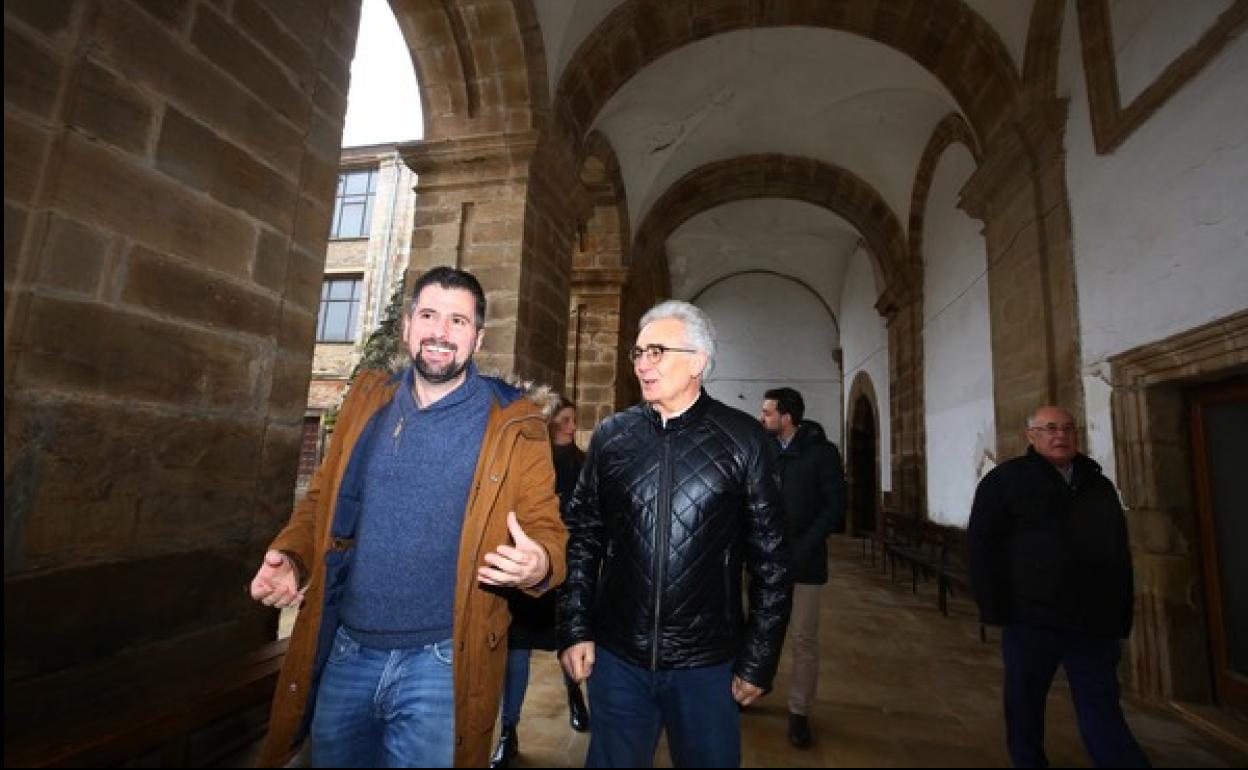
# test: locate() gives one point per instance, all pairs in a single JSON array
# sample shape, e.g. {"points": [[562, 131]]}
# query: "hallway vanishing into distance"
{"points": [[930, 218], [900, 686]]}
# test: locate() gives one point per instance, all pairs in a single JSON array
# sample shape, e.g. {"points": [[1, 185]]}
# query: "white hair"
{"points": [[699, 331]]}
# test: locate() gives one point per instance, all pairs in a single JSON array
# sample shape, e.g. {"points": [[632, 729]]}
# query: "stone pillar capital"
{"points": [[470, 161], [895, 298], [1030, 137], [595, 281]]}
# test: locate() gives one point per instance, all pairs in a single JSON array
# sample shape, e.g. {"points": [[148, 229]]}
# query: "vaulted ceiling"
{"points": [[842, 100]]}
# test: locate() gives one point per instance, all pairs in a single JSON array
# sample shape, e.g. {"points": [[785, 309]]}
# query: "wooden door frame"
{"points": [[1231, 690]]}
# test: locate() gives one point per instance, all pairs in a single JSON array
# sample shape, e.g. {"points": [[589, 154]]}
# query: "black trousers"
{"points": [[1032, 655]]}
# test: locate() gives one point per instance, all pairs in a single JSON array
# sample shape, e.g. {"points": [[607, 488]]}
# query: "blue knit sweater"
{"points": [[401, 588]]}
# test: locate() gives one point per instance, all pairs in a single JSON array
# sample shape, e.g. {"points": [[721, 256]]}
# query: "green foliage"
{"points": [[383, 344]]}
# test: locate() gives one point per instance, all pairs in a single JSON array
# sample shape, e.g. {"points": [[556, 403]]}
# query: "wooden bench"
{"points": [[192, 717], [920, 550], [930, 551], [896, 531]]}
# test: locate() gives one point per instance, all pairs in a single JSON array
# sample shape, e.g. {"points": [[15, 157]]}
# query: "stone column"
{"points": [[477, 209], [169, 183], [1019, 192], [902, 306], [597, 345]]}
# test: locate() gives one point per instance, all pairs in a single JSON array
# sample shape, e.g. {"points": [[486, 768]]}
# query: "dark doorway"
{"points": [[863, 470], [1219, 422]]}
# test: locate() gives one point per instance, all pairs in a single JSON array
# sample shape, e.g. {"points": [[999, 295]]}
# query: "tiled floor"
{"points": [[900, 685]]}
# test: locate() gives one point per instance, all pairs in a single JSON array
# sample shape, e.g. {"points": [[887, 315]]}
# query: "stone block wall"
{"points": [[169, 180]]}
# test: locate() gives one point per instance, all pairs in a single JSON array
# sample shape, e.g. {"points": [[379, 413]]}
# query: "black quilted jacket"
{"points": [[1048, 553], [660, 526]]}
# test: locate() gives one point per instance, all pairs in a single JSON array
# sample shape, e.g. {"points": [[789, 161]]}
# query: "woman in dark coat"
{"points": [[533, 620]]}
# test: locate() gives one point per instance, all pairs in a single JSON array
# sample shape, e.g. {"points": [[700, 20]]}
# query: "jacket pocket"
{"points": [[344, 649]]}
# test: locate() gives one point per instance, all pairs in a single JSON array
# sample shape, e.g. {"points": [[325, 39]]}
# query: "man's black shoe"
{"points": [[507, 748], [799, 731]]}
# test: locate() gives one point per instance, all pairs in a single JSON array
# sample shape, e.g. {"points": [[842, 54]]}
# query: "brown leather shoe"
{"points": [[799, 731]]}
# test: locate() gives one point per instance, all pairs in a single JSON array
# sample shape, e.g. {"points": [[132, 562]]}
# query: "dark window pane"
{"points": [[353, 205], [352, 224], [340, 309], [336, 316]]}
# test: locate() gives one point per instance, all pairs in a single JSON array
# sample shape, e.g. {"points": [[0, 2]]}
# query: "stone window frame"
{"points": [[342, 198], [1111, 122], [356, 299], [1148, 409]]}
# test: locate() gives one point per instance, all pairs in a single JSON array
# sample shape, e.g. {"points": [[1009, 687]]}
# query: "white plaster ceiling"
{"points": [[565, 23], [818, 93], [814, 93], [793, 238]]}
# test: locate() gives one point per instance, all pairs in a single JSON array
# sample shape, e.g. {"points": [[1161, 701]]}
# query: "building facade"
{"points": [[366, 257]]}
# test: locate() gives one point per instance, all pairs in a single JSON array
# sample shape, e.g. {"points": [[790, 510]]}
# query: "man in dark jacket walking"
{"points": [[814, 497], [677, 496], [1050, 562]]}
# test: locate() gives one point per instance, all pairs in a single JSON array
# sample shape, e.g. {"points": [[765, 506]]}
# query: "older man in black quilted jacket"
{"points": [[678, 496]]}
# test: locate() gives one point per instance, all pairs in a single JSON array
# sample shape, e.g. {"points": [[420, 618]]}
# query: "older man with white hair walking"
{"points": [[678, 497]]}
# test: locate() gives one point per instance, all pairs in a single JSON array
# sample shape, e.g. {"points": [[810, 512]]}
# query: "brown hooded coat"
{"points": [[513, 473]]}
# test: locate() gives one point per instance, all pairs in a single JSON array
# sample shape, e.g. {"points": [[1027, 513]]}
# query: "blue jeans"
{"points": [[631, 705], [515, 684], [384, 708], [1031, 655]]}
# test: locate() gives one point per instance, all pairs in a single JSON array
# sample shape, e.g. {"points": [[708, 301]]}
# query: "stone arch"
{"points": [[480, 67], [599, 172], [792, 279], [861, 396], [839, 191], [776, 176], [1044, 46], [948, 131], [600, 318], [946, 37]]}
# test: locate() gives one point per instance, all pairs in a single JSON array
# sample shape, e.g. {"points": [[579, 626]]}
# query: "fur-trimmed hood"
{"points": [[507, 387]]}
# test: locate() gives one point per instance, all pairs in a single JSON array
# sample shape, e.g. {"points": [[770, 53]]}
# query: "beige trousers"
{"points": [[804, 648]]}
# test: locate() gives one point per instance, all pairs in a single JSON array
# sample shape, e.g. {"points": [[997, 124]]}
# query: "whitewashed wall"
{"points": [[774, 332], [957, 346], [864, 347], [1161, 224]]}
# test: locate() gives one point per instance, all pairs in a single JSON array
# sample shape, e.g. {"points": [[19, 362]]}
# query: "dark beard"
{"points": [[439, 376]]}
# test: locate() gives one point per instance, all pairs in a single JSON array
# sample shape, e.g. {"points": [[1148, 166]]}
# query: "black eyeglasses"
{"points": [[1053, 429], [654, 353]]}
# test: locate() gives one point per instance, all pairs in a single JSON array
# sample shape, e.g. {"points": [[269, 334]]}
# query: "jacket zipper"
{"points": [[662, 535]]}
